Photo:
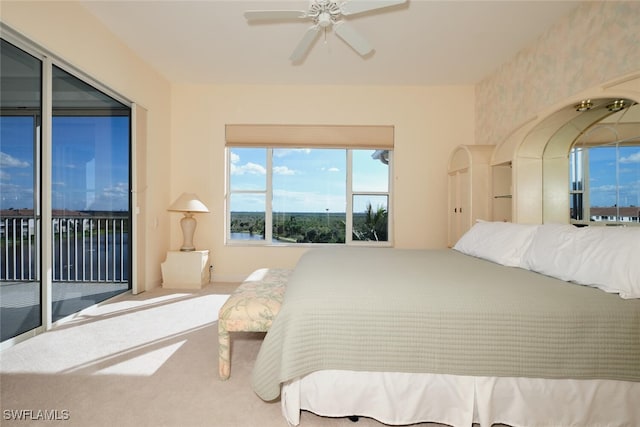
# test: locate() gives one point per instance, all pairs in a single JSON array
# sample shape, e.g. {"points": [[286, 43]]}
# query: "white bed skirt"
{"points": [[459, 401]]}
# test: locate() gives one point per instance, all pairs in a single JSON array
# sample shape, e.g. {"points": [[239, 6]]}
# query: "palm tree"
{"points": [[376, 223]]}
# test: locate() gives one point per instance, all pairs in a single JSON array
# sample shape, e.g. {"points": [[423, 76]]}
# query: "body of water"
{"points": [[245, 236]]}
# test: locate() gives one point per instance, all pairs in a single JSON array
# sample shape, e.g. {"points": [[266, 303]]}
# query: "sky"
{"points": [[306, 180], [609, 189], [90, 163]]}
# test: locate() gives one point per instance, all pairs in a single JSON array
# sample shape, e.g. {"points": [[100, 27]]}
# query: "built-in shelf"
{"points": [[502, 190]]}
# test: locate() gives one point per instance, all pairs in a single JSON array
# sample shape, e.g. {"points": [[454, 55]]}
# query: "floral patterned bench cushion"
{"points": [[250, 308], [255, 303]]}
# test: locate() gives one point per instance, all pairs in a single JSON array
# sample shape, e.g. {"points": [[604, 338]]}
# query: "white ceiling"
{"points": [[422, 42]]}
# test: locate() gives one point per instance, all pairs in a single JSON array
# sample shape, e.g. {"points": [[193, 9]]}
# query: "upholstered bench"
{"points": [[250, 308]]}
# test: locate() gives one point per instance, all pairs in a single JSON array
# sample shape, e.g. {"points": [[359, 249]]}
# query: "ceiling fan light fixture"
{"points": [[324, 20]]}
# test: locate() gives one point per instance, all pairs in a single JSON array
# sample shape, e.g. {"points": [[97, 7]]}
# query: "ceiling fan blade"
{"points": [[274, 15], [353, 38], [305, 43], [351, 7]]}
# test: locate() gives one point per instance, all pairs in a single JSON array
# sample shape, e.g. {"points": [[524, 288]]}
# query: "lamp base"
{"points": [[188, 225]]}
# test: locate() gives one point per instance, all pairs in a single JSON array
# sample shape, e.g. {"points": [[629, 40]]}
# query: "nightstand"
{"points": [[185, 270]]}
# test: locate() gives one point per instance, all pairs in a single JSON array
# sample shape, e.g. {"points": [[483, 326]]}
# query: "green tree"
{"points": [[375, 225]]}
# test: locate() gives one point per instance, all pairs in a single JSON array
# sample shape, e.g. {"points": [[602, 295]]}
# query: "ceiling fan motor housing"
{"points": [[324, 12]]}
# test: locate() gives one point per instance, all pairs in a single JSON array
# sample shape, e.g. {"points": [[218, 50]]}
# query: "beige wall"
{"points": [[69, 32], [598, 43], [429, 122]]}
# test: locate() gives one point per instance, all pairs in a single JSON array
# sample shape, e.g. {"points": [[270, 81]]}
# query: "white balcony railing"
{"points": [[85, 249]]}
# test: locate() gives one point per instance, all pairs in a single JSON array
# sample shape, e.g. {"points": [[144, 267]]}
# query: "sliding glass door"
{"points": [[65, 193], [89, 195], [20, 113]]}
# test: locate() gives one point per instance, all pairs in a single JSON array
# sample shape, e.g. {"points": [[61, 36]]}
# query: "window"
{"points": [[605, 183], [286, 195]]}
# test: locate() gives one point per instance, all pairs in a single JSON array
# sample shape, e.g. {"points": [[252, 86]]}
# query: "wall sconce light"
{"points": [[584, 105], [188, 203]]}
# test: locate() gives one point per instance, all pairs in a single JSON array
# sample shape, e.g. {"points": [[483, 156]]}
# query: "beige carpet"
{"points": [[145, 360]]}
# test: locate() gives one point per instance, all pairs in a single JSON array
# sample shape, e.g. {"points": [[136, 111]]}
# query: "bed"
{"points": [[480, 333]]}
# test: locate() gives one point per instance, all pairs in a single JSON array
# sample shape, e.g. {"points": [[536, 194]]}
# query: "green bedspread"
{"points": [[439, 311]]}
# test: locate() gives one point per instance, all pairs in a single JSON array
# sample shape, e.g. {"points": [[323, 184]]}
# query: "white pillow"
{"points": [[610, 259], [501, 242], [553, 251], [604, 257]]}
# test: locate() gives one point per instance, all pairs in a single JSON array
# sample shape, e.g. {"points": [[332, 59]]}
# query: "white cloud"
{"points": [[283, 170], [604, 188], [633, 158], [113, 197], [248, 168], [118, 190], [8, 161], [235, 158]]}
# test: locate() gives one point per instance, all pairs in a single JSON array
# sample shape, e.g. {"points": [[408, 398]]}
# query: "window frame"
{"points": [[268, 194]]}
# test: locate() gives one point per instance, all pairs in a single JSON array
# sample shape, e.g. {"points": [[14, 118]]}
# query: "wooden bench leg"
{"points": [[224, 353]]}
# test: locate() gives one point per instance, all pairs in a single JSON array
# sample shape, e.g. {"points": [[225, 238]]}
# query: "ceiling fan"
{"points": [[325, 14]]}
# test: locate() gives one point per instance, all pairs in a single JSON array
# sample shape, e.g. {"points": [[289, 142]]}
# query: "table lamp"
{"points": [[188, 204]]}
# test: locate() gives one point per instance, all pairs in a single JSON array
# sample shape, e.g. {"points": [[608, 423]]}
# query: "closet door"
{"points": [[464, 202], [453, 217], [469, 189]]}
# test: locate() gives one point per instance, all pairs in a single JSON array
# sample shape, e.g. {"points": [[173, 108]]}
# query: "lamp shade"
{"points": [[188, 202]]}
